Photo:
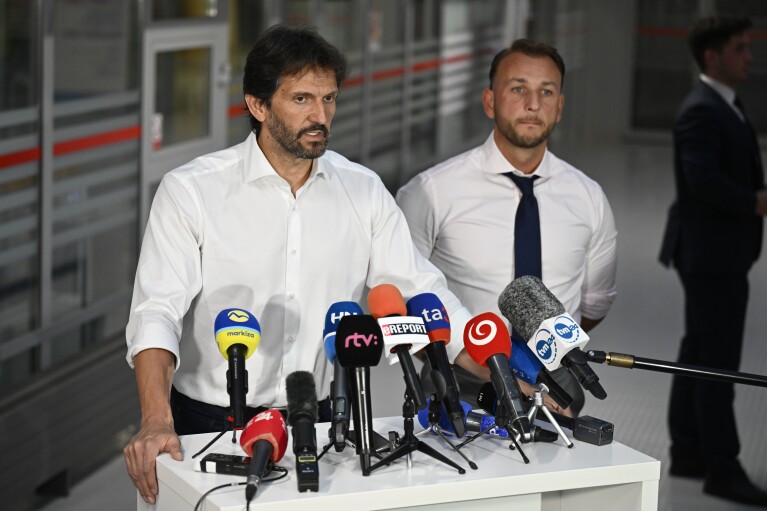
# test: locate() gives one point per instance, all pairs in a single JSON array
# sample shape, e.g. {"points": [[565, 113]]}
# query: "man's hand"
{"points": [[154, 374], [154, 438], [552, 405]]}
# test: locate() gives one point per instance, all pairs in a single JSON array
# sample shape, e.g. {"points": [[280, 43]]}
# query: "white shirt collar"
{"points": [[727, 92], [495, 163], [256, 166]]}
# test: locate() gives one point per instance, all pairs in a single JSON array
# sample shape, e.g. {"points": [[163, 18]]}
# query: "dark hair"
{"points": [[712, 33], [531, 49], [287, 51]]}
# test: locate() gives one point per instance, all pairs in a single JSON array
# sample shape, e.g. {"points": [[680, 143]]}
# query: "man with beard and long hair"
{"points": [[277, 226], [463, 213]]}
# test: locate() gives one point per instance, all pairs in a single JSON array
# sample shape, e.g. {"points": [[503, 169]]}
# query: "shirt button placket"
{"points": [[292, 281]]}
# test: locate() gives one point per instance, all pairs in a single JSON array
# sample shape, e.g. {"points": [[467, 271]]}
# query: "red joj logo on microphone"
{"points": [[357, 340], [481, 330]]}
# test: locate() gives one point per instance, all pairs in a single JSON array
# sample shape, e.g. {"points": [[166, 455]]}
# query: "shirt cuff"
{"points": [[153, 334], [596, 306], [458, 320]]}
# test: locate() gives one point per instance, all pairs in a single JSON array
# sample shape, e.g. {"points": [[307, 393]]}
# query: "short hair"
{"points": [[712, 33], [531, 49], [287, 51]]}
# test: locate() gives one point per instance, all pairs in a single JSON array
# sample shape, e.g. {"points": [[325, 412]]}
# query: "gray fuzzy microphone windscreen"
{"points": [[526, 303], [302, 396]]}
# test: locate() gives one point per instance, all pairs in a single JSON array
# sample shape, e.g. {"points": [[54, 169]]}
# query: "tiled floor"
{"points": [[645, 321]]}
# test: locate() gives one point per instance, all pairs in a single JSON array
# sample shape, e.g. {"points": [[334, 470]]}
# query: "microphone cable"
{"points": [[274, 468]]}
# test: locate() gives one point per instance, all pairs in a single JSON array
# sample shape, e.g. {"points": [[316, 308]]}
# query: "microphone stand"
{"points": [[502, 421], [538, 405], [632, 362], [434, 414], [215, 439], [409, 443], [339, 433]]}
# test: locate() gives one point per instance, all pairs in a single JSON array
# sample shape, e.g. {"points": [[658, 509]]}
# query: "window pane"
{"points": [[19, 179], [182, 96], [183, 9], [96, 157]]}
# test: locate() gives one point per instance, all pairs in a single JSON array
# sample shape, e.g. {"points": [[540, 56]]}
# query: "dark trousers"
{"points": [[701, 416], [191, 417]]}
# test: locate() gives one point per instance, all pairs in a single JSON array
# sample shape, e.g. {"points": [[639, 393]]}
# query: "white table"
{"points": [[610, 477]]}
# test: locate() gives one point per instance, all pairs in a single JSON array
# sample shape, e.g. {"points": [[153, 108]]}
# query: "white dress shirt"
{"points": [[461, 215], [225, 231], [727, 93]]}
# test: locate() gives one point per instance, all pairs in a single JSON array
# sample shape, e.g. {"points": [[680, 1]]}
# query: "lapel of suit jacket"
{"points": [[748, 130]]}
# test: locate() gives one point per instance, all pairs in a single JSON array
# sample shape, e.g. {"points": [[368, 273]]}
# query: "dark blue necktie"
{"points": [[527, 230], [527, 235]]}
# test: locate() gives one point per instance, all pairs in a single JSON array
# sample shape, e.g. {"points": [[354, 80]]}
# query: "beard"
{"points": [[510, 133], [292, 142]]}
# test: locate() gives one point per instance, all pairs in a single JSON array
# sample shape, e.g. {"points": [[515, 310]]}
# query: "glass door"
{"points": [[185, 83]]}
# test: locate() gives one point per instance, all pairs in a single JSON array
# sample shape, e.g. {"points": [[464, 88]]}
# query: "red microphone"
{"points": [[264, 439], [488, 342]]}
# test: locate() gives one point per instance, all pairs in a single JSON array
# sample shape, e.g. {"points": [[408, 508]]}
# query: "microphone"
{"points": [[552, 334], [401, 335], [430, 308], [302, 416], [487, 400], [486, 340], [528, 368], [264, 439], [476, 422], [444, 422], [237, 335], [339, 426], [359, 344]]}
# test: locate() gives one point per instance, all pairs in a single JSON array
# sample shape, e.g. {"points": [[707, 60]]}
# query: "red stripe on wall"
{"points": [[754, 35], [237, 110], [418, 67], [98, 140], [662, 31], [425, 65], [353, 82], [19, 157], [457, 58], [388, 73]]}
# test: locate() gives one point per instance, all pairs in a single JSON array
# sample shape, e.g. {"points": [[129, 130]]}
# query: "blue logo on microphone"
{"points": [[567, 329], [545, 347]]}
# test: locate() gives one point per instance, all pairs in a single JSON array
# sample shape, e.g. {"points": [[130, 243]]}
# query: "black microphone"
{"points": [[302, 416], [339, 393], [551, 333], [434, 314], [359, 344]]}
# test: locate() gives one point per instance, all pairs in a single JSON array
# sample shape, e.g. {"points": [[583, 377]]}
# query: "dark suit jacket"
{"points": [[712, 227]]}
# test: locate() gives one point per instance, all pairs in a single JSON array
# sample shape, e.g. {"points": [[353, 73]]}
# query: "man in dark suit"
{"points": [[713, 236]]}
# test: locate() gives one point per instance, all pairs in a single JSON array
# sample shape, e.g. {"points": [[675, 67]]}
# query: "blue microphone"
{"points": [[430, 308], [444, 422], [475, 422], [526, 366], [339, 428]]}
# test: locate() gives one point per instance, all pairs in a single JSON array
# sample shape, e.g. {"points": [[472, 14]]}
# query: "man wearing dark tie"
{"points": [[713, 236], [510, 207]]}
